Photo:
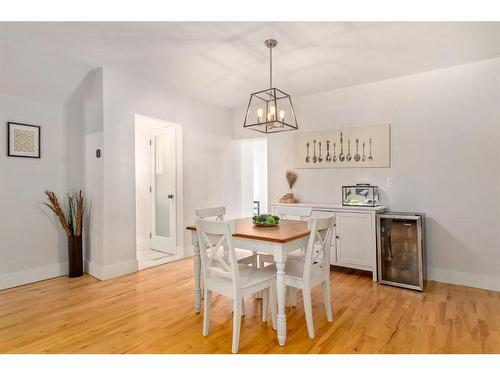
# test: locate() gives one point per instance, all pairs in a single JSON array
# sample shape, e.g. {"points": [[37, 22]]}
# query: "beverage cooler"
{"points": [[401, 249]]}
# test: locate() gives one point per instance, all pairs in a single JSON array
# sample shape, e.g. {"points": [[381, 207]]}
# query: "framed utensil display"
{"points": [[373, 141]]}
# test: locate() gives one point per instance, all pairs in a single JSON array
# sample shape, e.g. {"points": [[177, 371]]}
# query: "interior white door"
{"points": [[162, 189]]}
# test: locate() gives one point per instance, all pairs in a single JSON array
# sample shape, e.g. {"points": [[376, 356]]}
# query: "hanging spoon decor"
{"points": [[341, 155], [348, 157], [357, 157], [370, 157], [334, 159], [364, 156], [328, 158], [315, 159], [320, 158], [308, 159]]}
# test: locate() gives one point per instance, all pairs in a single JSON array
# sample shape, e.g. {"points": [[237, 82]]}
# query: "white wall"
{"points": [[142, 182], [211, 174], [61, 96], [83, 112], [445, 130], [32, 244]]}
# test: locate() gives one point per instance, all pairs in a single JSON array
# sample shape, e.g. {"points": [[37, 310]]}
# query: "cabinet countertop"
{"points": [[333, 206]]}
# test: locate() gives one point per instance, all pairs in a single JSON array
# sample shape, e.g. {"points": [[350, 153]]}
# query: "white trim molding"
{"points": [[108, 272], [93, 269], [10, 280], [488, 282]]}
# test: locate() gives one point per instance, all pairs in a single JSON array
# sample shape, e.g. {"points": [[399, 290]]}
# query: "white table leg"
{"points": [[281, 291], [197, 274]]}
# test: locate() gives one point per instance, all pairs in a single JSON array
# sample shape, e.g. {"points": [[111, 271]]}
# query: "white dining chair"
{"points": [[217, 213], [313, 269], [229, 278], [288, 213], [293, 212]]}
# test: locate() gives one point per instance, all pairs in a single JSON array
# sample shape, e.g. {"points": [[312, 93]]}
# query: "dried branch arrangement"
{"points": [[72, 221], [291, 177]]}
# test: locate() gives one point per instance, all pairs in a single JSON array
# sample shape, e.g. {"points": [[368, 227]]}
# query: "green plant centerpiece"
{"points": [[265, 220]]}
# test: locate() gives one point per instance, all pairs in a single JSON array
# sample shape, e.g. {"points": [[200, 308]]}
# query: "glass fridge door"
{"points": [[400, 254]]}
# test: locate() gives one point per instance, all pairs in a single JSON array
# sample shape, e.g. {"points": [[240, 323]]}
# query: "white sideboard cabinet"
{"points": [[355, 239]]}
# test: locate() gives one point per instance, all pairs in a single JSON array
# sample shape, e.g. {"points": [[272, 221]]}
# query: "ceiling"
{"points": [[223, 62]]}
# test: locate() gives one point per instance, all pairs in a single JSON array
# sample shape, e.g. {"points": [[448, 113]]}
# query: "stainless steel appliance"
{"points": [[401, 249]]}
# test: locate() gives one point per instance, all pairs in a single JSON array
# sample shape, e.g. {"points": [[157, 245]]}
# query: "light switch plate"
{"points": [[390, 182]]}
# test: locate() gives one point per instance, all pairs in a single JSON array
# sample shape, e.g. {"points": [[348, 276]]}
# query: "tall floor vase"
{"points": [[75, 256]]}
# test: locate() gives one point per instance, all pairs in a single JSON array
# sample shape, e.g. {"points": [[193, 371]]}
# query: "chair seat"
{"points": [[249, 276]]}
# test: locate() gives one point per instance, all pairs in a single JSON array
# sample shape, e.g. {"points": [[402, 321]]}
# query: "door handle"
{"points": [[170, 196], [337, 237]]}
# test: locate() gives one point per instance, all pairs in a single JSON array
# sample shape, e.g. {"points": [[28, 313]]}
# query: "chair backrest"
{"points": [[285, 212], [215, 237], [215, 212], [318, 247]]}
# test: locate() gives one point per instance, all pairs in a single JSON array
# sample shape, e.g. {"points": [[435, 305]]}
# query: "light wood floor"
{"points": [[151, 311]]}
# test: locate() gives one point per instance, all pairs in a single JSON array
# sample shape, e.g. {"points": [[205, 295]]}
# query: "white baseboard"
{"points": [[113, 270], [93, 269], [119, 269], [462, 278], [10, 280]]}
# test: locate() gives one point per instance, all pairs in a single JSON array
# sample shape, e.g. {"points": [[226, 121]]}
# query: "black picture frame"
{"points": [[10, 124]]}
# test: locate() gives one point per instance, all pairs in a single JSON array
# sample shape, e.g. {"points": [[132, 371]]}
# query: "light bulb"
{"points": [[260, 112], [271, 115], [282, 115]]}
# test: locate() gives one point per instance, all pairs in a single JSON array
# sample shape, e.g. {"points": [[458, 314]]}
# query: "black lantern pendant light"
{"points": [[270, 110]]}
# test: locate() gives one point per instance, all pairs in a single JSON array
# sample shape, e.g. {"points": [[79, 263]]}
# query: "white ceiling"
{"points": [[223, 63]]}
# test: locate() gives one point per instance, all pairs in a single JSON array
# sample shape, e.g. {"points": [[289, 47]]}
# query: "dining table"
{"points": [[279, 241]]}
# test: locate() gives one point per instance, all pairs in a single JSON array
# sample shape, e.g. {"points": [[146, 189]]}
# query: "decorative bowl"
{"points": [[265, 225]]}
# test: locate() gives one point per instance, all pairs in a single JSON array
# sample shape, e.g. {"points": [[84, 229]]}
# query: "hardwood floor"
{"points": [[151, 311]]}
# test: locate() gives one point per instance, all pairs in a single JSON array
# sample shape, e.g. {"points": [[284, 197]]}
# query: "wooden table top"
{"points": [[286, 231]]}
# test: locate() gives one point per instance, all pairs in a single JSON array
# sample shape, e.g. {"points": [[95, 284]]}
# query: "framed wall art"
{"points": [[23, 140], [353, 147]]}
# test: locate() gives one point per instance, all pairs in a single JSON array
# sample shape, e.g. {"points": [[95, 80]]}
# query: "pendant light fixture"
{"points": [[270, 110]]}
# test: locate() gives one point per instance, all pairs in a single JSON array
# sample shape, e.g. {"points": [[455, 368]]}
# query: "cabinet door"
{"points": [[353, 239]]}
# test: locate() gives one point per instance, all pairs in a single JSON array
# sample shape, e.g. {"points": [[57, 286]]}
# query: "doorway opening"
{"points": [[254, 177], [156, 186]]}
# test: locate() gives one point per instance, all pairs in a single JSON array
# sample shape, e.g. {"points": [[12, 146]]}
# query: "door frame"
{"points": [[179, 211]]}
